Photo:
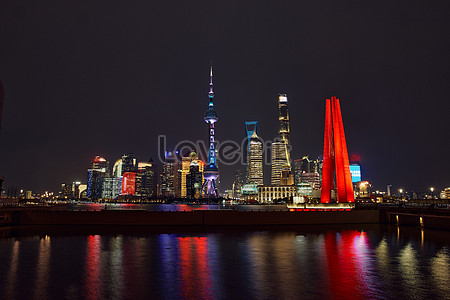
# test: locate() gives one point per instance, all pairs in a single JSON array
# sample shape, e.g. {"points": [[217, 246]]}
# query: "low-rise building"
{"points": [[270, 193]]}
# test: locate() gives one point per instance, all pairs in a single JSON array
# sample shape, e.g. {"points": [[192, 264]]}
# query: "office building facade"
{"points": [[281, 146], [255, 161]]}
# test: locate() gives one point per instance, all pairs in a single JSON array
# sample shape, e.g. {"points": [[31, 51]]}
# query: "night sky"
{"points": [[86, 78]]}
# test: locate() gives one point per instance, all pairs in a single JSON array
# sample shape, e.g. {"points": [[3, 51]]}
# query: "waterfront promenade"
{"points": [[137, 216]]}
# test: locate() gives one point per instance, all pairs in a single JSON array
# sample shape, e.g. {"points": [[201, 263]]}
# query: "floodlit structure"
{"points": [[281, 146], [211, 172], [255, 161], [335, 156], [99, 170]]}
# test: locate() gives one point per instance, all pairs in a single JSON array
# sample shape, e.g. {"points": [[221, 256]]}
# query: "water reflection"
{"points": [[341, 264], [440, 270], [42, 269], [93, 281], [248, 265], [409, 270], [195, 273], [11, 281]]}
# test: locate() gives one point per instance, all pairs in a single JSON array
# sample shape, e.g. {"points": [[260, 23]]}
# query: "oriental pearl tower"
{"points": [[211, 172]]}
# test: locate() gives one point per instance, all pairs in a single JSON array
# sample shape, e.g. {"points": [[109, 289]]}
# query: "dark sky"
{"points": [[107, 77]]}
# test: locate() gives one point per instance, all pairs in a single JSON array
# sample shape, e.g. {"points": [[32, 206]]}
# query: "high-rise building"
{"points": [[286, 178], [146, 179], [96, 174], [117, 168], [312, 178], [177, 179], [101, 164], [129, 184], [129, 163], [76, 185], [111, 187], [169, 175], [185, 168], [237, 184], [94, 184], [194, 180], [279, 161], [281, 146], [66, 191], [211, 172], [355, 168], [255, 161], [251, 127], [283, 117], [301, 166]]}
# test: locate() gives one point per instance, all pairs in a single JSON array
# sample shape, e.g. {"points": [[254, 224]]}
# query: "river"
{"points": [[307, 262]]}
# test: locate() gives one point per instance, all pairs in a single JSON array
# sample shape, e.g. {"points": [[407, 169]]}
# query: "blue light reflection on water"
{"points": [[371, 263]]}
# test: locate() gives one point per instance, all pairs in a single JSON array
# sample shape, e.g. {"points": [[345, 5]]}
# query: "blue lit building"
{"points": [[355, 168], [251, 127]]}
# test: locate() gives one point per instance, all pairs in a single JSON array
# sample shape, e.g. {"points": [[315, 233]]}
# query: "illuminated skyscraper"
{"points": [[194, 180], [255, 161], [111, 187], [301, 166], [129, 163], [117, 168], [281, 146], [237, 185], [283, 117], [211, 172], [169, 176], [279, 161], [98, 171], [251, 127], [185, 168], [146, 179], [355, 168]]}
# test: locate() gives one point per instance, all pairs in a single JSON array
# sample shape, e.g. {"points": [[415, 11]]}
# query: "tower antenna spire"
{"points": [[211, 91]]}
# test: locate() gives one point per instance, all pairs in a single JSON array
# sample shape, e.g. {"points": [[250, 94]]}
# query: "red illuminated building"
{"points": [[129, 183], [335, 156]]}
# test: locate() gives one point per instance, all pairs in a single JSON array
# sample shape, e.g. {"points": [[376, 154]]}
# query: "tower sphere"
{"points": [[211, 116]]}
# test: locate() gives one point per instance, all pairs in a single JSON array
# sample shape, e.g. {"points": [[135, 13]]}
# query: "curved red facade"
{"points": [[335, 156]]}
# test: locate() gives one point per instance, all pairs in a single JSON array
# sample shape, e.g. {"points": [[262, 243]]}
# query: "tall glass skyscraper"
{"points": [[281, 147], [251, 127], [255, 161], [98, 171]]}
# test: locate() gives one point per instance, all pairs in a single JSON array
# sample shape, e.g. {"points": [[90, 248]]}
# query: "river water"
{"points": [[303, 262], [167, 207]]}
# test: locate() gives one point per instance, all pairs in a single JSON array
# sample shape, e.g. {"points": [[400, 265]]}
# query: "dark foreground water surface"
{"points": [[285, 263]]}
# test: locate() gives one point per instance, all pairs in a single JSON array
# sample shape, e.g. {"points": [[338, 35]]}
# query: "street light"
{"points": [[432, 190], [401, 194]]}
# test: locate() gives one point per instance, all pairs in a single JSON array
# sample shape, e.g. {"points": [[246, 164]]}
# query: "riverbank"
{"points": [[188, 218], [425, 218]]}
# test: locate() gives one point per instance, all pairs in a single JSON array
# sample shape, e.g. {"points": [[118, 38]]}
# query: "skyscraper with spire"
{"points": [[281, 147], [211, 172]]}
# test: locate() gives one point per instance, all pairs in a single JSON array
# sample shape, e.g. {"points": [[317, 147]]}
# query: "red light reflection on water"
{"points": [[343, 264], [195, 273], [93, 282]]}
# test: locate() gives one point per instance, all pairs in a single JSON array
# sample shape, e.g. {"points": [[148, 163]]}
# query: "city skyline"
{"points": [[89, 94]]}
